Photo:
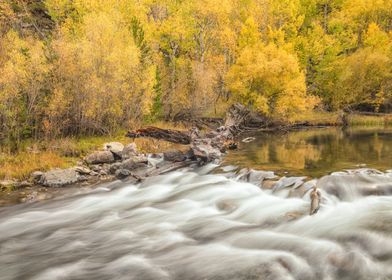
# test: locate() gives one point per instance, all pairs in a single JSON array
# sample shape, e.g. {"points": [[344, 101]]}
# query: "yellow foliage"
{"points": [[99, 76], [269, 79]]}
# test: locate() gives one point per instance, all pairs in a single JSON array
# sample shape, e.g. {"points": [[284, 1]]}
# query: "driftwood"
{"points": [[209, 145], [170, 135]]}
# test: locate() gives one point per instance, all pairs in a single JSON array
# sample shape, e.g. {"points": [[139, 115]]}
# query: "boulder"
{"points": [[129, 151], [114, 167], [100, 157], [59, 177], [205, 151], [131, 164], [82, 170], [139, 159], [122, 173], [174, 155], [115, 147]]}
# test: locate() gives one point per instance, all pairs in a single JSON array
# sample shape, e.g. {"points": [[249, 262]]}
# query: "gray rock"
{"points": [[100, 157], [59, 177], [174, 155], [115, 147], [36, 176], [285, 182], [122, 173], [129, 151], [103, 172], [130, 164], [205, 151], [96, 168], [140, 159], [255, 177], [82, 170], [114, 167], [83, 178]]}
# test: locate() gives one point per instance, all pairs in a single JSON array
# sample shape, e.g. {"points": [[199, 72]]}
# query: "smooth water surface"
{"points": [[316, 152]]}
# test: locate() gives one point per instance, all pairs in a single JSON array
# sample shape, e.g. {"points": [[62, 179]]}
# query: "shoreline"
{"points": [[31, 190]]}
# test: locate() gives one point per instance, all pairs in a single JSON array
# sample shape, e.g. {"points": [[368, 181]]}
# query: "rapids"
{"points": [[198, 224]]}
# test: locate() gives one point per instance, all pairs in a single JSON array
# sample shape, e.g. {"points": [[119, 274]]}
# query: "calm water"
{"points": [[316, 152]]}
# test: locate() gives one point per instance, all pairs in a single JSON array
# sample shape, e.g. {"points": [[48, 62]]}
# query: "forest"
{"points": [[88, 67]]}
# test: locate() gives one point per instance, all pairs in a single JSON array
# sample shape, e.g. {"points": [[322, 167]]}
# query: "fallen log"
{"points": [[210, 145], [170, 135]]}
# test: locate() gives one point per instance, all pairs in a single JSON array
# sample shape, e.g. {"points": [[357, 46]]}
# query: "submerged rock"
{"points": [[100, 157], [59, 177]]}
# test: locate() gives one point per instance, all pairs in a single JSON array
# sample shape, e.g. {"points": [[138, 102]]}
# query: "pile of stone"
{"points": [[114, 161]]}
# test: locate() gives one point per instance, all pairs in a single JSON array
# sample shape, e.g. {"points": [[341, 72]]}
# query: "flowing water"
{"points": [[213, 223]]}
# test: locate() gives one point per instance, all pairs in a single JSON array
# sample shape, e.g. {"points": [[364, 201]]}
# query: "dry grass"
{"points": [[21, 165], [65, 152], [318, 118], [363, 120]]}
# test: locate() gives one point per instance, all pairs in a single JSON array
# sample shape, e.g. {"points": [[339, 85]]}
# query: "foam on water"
{"points": [[188, 225]]}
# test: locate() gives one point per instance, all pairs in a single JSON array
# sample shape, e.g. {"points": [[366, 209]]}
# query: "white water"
{"points": [[188, 225]]}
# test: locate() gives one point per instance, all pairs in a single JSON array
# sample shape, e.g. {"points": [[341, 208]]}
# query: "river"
{"points": [[216, 222]]}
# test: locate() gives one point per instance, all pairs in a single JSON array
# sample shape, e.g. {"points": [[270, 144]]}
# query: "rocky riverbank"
{"points": [[114, 161]]}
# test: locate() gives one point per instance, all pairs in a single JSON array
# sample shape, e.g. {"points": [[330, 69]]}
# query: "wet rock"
{"points": [[255, 177], [36, 176], [59, 177], [100, 157], [174, 155], [115, 147], [122, 173], [268, 184], [129, 151], [285, 182]]}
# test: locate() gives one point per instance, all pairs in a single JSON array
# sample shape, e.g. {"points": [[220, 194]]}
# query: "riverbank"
{"points": [[15, 169]]}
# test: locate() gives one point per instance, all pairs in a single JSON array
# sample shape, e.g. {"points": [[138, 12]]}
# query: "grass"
{"points": [[21, 165], [364, 120], [318, 118], [65, 152]]}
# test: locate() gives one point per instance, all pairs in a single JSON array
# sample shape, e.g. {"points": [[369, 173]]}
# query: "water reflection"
{"points": [[316, 152]]}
